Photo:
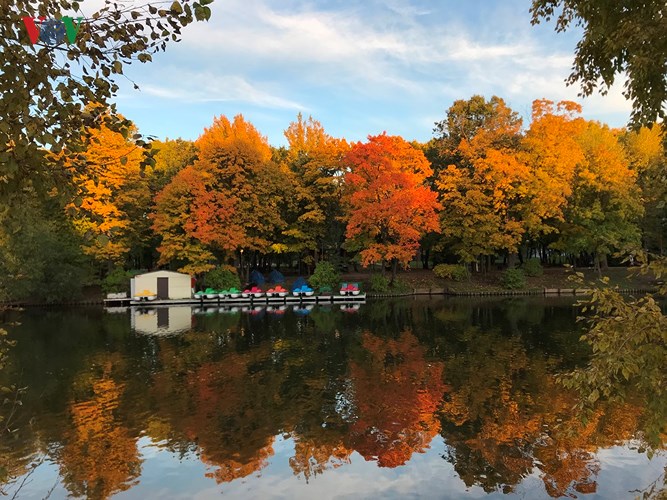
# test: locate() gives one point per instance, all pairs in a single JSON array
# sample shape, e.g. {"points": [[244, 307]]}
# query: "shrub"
{"points": [[222, 278], [454, 272], [460, 273], [379, 283], [325, 275], [117, 281], [400, 286], [533, 267], [513, 279]]}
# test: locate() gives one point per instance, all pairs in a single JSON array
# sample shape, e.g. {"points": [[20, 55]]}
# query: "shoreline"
{"points": [[433, 292], [547, 292]]}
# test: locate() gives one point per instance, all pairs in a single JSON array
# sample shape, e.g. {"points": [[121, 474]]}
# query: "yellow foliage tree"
{"points": [[114, 197]]}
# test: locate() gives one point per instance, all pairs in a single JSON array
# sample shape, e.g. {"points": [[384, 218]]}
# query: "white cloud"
{"points": [[384, 64], [207, 87]]}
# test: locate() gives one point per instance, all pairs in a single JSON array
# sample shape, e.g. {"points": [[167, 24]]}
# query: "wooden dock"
{"points": [[241, 301]]}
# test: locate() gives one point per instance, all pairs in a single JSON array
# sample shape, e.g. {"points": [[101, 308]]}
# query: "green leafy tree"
{"points": [[646, 153], [325, 275], [619, 38], [222, 278], [513, 279], [118, 280], [46, 88], [629, 343], [40, 253]]}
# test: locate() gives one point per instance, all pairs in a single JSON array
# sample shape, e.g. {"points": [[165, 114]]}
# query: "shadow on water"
{"points": [[453, 392]]}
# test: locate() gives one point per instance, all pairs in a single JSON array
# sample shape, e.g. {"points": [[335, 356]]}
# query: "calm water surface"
{"points": [[398, 399]]}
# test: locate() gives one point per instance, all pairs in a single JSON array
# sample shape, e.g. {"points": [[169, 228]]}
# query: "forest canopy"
{"points": [[487, 188]]}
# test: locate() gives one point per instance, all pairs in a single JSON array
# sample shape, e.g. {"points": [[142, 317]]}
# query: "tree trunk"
{"points": [[604, 265], [394, 269], [596, 263], [240, 267], [523, 254], [425, 254]]}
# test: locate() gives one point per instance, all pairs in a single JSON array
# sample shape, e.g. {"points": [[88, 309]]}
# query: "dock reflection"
{"points": [[175, 320]]}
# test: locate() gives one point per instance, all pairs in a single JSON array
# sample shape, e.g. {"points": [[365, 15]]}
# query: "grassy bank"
{"points": [[491, 282]]}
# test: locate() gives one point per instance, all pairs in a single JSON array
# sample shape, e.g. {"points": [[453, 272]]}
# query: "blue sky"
{"points": [[359, 68]]}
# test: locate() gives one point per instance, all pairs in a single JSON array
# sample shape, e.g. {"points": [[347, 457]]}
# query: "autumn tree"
{"points": [[485, 191], [46, 85], [314, 159], [552, 153], [173, 207], [645, 152], [228, 201], [111, 213], [238, 158], [389, 205], [605, 206]]}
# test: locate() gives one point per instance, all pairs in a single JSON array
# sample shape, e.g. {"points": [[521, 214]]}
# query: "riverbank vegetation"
{"points": [[486, 194]]}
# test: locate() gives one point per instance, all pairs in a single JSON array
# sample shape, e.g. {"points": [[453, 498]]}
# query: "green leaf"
{"points": [[594, 396]]}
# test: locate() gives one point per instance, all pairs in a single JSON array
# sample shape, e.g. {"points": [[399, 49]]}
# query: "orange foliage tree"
{"points": [[552, 151], [192, 218], [238, 158], [390, 207], [233, 200]]}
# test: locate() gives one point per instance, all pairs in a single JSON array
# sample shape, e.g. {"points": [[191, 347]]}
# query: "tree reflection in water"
{"points": [[380, 385]]}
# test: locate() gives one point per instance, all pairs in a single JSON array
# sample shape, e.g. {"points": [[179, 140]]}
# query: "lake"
{"points": [[401, 398]]}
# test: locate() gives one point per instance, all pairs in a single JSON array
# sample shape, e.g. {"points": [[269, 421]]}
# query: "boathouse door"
{"points": [[163, 288]]}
